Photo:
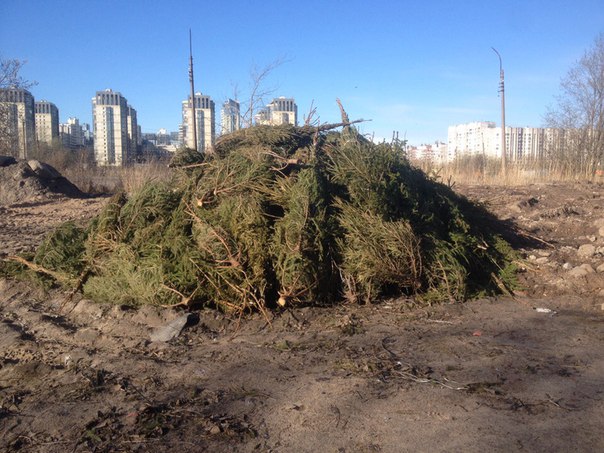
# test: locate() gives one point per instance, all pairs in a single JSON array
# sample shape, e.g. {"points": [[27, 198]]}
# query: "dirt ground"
{"points": [[499, 374]]}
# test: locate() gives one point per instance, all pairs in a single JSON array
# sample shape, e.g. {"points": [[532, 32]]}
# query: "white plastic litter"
{"points": [[545, 310]]}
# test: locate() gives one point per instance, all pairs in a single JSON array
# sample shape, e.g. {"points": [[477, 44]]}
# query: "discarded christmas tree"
{"points": [[284, 215]]}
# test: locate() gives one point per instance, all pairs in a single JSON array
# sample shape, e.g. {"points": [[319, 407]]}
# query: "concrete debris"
{"points": [[170, 330]]}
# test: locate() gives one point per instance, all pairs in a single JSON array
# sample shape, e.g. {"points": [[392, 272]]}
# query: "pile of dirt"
{"points": [[284, 215], [31, 180]]}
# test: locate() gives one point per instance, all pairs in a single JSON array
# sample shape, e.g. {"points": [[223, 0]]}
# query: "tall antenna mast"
{"points": [[192, 92]]}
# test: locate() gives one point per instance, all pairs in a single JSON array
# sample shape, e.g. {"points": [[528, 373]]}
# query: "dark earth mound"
{"points": [[23, 181]]}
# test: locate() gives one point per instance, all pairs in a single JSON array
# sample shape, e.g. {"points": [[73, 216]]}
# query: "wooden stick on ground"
{"points": [[59, 276]]}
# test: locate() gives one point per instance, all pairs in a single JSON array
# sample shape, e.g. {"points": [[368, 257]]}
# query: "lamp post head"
{"points": [[500, 63]]}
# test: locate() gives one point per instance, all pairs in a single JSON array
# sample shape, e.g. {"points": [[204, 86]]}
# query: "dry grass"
{"points": [[78, 166], [134, 177], [130, 179], [479, 171]]}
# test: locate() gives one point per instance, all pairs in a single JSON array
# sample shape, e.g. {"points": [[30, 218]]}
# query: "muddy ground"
{"points": [[488, 375]]}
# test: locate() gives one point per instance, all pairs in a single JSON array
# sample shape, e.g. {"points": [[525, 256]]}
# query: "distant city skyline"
{"points": [[415, 69]]}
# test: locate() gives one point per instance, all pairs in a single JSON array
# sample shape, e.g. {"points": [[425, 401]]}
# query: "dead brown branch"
{"points": [[58, 276]]}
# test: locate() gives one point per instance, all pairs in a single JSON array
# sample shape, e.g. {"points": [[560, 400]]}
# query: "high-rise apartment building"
{"points": [[263, 117], [472, 138], [281, 110], [72, 134], [47, 122], [133, 136], [432, 152], [484, 138], [230, 117], [204, 122], [88, 134], [17, 122], [110, 126]]}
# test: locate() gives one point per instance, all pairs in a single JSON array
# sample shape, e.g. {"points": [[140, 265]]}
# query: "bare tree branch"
{"points": [[258, 92], [9, 74], [10, 78]]}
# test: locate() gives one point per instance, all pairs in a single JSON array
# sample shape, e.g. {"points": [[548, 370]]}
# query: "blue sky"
{"points": [[411, 67]]}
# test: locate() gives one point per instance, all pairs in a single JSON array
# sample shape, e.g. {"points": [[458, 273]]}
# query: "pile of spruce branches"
{"points": [[283, 215]]}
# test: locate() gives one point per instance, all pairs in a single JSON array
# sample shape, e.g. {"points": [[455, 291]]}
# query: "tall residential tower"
{"points": [[204, 118], [110, 125], [17, 122], [47, 122], [72, 133], [230, 117], [281, 110], [133, 133]]}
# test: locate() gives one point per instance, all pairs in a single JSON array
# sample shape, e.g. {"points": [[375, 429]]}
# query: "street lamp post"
{"points": [[503, 141]]}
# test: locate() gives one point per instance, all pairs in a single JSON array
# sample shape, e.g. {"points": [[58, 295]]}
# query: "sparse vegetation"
{"points": [[480, 169]]}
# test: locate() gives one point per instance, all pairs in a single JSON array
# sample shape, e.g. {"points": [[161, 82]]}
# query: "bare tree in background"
{"points": [[9, 78], [258, 92], [579, 114], [9, 74]]}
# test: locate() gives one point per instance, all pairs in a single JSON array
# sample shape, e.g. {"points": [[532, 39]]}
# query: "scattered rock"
{"points": [[581, 271], [43, 170], [214, 430], [577, 272], [567, 266], [562, 211], [544, 253], [170, 330], [528, 203], [586, 250], [588, 267], [600, 268]]}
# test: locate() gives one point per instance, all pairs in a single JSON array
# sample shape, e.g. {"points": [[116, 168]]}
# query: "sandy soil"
{"points": [[487, 375]]}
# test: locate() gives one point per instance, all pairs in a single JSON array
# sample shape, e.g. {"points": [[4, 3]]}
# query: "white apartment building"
{"points": [[17, 122], [471, 138], [230, 117], [204, 122], [47, 122], [433, 152], [110, 126], [72, 133], [281, 110], [484, 138]]}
